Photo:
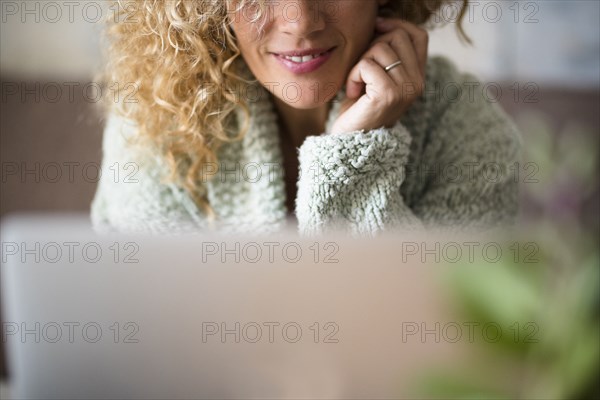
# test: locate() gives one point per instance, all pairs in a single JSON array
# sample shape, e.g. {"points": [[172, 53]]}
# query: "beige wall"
{"points": [[48, 47], [544, 41]]}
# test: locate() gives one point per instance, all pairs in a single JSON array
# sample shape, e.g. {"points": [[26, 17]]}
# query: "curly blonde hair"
{"points": [[182, 59]]}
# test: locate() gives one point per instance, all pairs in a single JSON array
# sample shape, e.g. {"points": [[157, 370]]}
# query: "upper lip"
{"points": [[301, 53]]}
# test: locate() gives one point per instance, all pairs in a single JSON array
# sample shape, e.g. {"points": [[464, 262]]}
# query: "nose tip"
{"points": [[300, 18]]}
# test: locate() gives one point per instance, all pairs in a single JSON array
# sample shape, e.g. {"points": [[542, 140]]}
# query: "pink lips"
{"points": [[306, 67]]}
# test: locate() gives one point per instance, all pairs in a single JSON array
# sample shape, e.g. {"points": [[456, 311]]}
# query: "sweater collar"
{"points": [[249, 203]]}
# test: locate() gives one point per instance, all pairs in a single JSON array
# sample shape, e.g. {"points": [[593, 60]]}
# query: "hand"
{"points": [[374, 97]]}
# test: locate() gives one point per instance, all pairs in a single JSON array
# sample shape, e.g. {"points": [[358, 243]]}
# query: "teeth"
{"points": [[298, 59]]}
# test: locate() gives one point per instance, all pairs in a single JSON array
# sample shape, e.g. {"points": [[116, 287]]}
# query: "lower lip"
{"points": [[303, 68]]}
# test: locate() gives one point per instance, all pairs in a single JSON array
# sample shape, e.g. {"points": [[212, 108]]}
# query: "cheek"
{"points": [[361, 31], [249, 41], [358, 40], [246, 47]]}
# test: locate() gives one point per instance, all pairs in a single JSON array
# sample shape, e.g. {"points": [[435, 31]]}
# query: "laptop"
{"points": [[209, 316]]}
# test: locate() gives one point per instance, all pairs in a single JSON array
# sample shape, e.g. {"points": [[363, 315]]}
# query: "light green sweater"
{"points": [[448, 163]]}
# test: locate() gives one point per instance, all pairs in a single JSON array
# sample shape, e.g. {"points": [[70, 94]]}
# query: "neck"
{"points": [[298, 124]]}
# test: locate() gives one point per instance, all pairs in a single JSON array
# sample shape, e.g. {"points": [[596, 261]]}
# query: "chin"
{"points": [[303, 103], [307, 97]]}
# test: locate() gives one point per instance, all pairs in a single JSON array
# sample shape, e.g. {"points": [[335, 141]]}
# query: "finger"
{"points": [[367, 74], [400, 42], [419, 36], [385, 55], [420, 39]]}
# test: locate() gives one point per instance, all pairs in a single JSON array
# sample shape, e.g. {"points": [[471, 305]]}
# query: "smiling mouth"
{"points": [[301, 59]]}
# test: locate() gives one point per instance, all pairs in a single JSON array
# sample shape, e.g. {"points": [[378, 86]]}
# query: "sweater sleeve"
{"points": [[352, 181]]}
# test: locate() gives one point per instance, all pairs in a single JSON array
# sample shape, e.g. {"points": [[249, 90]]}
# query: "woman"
{"points": [[248, 112]]}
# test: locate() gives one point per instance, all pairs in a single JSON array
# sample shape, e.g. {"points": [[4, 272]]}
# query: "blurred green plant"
{"points": [[558, 296]]}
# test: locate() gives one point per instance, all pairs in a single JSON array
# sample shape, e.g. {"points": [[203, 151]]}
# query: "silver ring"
{"points": [[394, 65]]}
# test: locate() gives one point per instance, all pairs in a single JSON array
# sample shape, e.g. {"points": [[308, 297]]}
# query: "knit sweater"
{"points": [[445, 164]]}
